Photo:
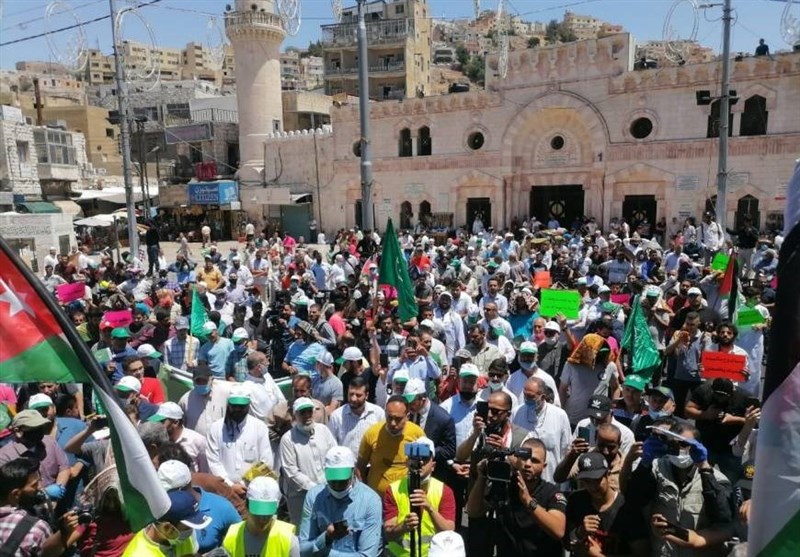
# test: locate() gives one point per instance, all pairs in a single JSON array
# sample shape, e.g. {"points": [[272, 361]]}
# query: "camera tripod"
{"points": [[415, 483]]}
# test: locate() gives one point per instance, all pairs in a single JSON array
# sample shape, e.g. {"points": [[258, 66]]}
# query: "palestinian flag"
{"points": [[39, 343], [729, 288], [393, 271], [638, 342], [775, 513]]}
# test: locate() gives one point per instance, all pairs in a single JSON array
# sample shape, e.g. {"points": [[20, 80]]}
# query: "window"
{"points": [[406, 149], [641, 128], [714, 121], [754, 117], [357, 149], [54, 146], [276, 126], [110, 132], [399, 9], [424, 142], [475, 140], [557, 143], [23, 152]]}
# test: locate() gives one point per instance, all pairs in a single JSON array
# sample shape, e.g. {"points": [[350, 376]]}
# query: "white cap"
{"points": [[39, 400], [528, 348], [129, 384], [694, 291], [352, 354], [552, 326], [174, 474], [581, 281], [147, 351], [427, 323], [325, 359], [240, 334], [263, 496], [339, 464], [429, 443], [209, 327], [401, 375], [167, 411], [447, 544], [603, 289], [302, 403], [413, 388], [469, 370], [240, 394]]}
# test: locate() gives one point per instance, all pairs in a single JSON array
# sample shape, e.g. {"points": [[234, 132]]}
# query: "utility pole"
{"points": [[724, 117], [363, 108], [125, 138]]}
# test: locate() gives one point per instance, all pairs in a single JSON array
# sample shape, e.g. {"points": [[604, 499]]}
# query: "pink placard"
{"points": [[70, 292], [621, 299], [121, 318]]}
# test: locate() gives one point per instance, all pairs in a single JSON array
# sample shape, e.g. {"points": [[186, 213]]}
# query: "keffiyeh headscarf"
{"points": [[586, 352], [531, 303]]}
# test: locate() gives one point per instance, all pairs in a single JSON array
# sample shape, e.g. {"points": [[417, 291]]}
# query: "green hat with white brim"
{"points": [[263, 496], [339, 464]]}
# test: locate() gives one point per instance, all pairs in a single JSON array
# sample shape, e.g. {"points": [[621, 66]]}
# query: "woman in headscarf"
{"points": [[589, 371], [523, 309]]}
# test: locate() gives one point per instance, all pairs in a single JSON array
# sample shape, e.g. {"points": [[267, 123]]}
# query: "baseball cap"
{"points": [[463, 353], [120, 332], [239, 395], [29, 419], [147, 351], [427, 323], [339, 464], [325, 359], [167, 411], [105, 325], [528, 348], [302, 403], [748, 473], [184, 509], [592, 466], [352, 354], [414, 387], [174, 474], [447, 544], [209, 327], [581, 281], [401, 376], [129, 384], [599, 406], [240, 334], [181, 323], [722, 386], [467, 370], [201, 371], [552, 326], [263, 496], [652, 291], [661, 390], [635, 382], [603, 290], [39, 400], [694, 291]]}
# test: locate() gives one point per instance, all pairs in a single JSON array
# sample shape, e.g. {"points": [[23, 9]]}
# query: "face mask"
{"points": [[467, 395], [682, 460], [340, 494], [185, 535], [202, 390], [495, 386], [657, 414], [527, 366], [33, 437], [551, 340]]}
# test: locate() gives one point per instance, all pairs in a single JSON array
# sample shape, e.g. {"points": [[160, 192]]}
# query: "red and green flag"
{"points": [[393, 271], [39, 343]]}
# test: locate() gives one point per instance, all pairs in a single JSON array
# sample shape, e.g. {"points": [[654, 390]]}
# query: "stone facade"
{"points": [[572, 130], [18, 168]]}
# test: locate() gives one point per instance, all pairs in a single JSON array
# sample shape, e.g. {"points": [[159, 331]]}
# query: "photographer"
{"points": [[532, 520], [20, 532], [402, 521]]}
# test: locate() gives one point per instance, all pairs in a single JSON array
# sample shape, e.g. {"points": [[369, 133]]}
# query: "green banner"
{"points": [[567, 302], [720, 261], [748, 317]]}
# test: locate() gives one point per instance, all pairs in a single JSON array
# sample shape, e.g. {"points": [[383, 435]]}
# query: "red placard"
{"points": [[121, 318], [542, 279], [727, 366], [70, 292], [621, 299]]}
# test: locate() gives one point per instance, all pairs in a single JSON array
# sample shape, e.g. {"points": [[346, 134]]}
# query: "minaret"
{"points": [[256, 33]]}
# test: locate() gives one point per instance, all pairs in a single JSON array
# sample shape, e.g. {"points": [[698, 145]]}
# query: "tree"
{"points": [[533, 42], [314, 49], [565, 34], [475, 69], [462, 56], [551, 32]]}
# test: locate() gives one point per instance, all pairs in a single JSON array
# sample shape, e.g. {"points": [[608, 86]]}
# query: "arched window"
{"points": [[747, 206], [424, 142], [711, 205], [754, 117], [425, 214], [406, 214], [405, 149], [714, 121]]}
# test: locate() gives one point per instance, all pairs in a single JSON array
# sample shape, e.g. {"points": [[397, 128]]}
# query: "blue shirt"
{"points": [[462, 413], [304, 356], [423, 368], [216, 354], [66, 429], [361, 508], [118, 358], [223, 515]]}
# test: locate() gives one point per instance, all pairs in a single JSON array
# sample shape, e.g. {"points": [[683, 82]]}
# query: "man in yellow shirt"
{"points": [[381, 456], [211, 275], [262, 533], [172, 535]]}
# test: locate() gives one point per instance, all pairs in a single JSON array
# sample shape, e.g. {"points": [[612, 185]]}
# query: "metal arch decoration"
{"points": [[501, 27], [74, 54], [289, 12], [215, 43], [148, 77], [790, 25], [676, 47], [336, 7]]}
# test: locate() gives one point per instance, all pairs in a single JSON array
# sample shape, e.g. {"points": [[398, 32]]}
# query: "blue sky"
{"points": [[176, 22]]}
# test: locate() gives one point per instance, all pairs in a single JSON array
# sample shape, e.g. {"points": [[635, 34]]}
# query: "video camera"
{"points": [[500, 474]]}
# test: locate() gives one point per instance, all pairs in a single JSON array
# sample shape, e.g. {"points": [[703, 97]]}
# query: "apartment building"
{"points": [[399, 51]]}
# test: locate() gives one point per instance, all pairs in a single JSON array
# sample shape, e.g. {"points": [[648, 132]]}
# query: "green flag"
{"points": [[199, 315], [637, 340], [393, 271]]}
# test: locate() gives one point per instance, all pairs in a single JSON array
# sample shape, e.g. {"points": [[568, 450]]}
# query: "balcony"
{"points": [[391, 67], [391, 31], [241, 22]]}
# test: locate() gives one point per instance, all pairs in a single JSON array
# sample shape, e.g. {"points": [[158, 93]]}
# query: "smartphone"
{"points": [[752, 401], [584, 433], [340, 525], [678, 531], [482, 409]]}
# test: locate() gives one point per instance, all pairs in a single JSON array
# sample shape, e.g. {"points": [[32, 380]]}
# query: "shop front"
{"points": [[216, 204]]}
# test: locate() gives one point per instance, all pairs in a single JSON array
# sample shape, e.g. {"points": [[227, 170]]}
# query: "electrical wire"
{"points": [[22, 24]]}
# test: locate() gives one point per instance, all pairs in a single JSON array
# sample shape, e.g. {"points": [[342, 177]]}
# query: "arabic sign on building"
{"points": [[222, 192]]}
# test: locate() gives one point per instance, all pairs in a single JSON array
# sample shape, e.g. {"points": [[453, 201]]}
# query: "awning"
{"points": [[37, 207], [301, 198], [69, 207]]}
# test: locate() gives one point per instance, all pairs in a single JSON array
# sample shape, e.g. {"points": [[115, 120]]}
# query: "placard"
{"points": [[103, 356], [727, 366], [121, 318], [720, 261], [748, 317], [70, 292], [621, 299], [542, 279], [567, 302]]}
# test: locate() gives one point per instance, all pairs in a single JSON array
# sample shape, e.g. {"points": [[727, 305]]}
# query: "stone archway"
{"points": [[640, 180], [479, 185]]}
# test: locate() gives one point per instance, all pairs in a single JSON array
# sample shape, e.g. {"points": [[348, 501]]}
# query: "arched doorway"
{"points": [[406, 215], [425, 213], [747, 206]]}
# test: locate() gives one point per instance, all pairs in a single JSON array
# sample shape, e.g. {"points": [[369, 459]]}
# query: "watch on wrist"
{"points": [[451, 462], [533, 504]]}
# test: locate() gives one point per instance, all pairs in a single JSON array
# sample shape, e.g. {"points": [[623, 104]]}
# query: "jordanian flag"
{"points": [[638, 342], [393, 271], [775, 512], [39, 343]]}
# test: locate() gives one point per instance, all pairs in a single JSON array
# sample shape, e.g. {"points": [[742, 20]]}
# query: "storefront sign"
{"points": [[213, 193], [188, 134]]}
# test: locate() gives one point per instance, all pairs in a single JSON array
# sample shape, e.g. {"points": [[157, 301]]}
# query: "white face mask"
{"points": [[551, 340], [682, 460], [495, 386], [340, 494], [527, 366]]}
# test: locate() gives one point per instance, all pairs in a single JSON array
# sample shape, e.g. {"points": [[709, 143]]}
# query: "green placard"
{"points": [[720, 261], [103, 355], [748, 317], [567, 302]]}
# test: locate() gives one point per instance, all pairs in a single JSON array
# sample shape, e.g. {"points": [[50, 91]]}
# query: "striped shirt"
{"points": [[348, 428], [175, 351], [35, 537]]}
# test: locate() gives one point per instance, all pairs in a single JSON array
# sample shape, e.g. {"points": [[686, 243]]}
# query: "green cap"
{"points": [[635, 382], [120, 332], [262, 508], [338, 474]]}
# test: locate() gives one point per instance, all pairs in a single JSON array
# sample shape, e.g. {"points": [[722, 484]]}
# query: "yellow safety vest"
{"points": [[402, 547], [279, 541]]}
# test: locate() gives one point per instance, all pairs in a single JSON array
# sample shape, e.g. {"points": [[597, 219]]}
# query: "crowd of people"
{"points": [[321, 419]]}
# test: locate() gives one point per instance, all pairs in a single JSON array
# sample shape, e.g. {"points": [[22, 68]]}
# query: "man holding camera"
{"points": [[532, 520], [414, 516]]}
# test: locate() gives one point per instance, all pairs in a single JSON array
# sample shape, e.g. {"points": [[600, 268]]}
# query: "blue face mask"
{"points": [[657, 414], [202, 389]]}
